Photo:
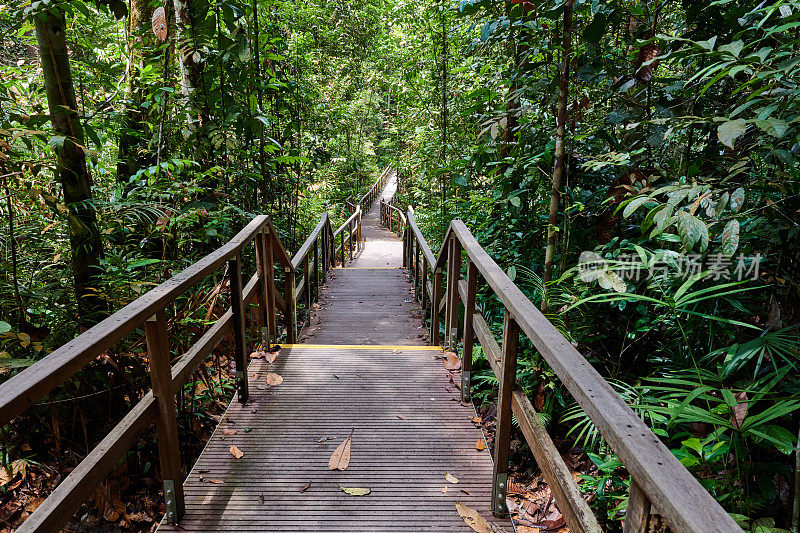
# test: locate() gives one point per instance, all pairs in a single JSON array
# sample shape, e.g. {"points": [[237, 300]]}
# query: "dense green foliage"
{"points": [[680, 181]]}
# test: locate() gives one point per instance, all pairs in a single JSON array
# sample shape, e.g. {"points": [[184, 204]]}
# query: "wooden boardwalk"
{"points": [[367, 372]]}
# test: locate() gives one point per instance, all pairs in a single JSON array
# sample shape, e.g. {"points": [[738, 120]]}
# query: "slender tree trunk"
{"points": [[560, 157], [262, 158], [84, 234], [445, 176], [132, 155], [191, 64]]}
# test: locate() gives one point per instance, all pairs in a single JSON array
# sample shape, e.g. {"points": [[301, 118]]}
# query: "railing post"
{"points": [[263, 286], [453, 299], [416, 267], [331, 242], [237, 307], [307, 288], [469, 312], [350, 232], [424, 285], [437, 294], [637, 517], [405, 252], [502, 439], [317, 243], [343, 248], [269, 272], [166, 422], [291, 306]]}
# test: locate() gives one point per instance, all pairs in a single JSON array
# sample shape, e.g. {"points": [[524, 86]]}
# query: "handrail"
{"points": [[387, 219], [426, 250], [373, 192], [158, 405], [656, 474], [369, 197], [353, 235]]}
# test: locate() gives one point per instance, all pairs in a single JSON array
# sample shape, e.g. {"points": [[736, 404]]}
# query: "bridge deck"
{"points": [[408, 427]]}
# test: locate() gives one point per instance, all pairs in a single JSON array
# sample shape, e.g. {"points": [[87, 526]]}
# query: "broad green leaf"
{"points": [[5, 327], [729, 131], [708, 45], [512, 272], [633, 205], [735, 48], [596, 29], [694, 444], [773, 126], [737, 200], [730, 238], [56, 142], [721, 203]]}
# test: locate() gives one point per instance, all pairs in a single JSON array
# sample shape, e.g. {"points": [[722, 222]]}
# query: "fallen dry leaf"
{"points": [[274, 379], [271, 356], [258, 355], [473, 519], [229, 432], [477, 420], [355, 491], [480, 445], [341, 455], [450, 477], [216, 481], [306, 487], [444, 489], [451, 361], [236, 452], [740, 411]]}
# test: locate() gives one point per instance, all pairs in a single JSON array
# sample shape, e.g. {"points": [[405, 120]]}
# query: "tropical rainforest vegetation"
{"points": [[633, 165]]}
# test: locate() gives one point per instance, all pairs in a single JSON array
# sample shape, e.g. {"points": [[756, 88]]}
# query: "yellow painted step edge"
{"points": [[368, 268], [362, 347]]}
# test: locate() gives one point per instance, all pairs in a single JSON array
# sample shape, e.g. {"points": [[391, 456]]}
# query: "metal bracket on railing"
{"points": [[265, 338], [499, 491], [240, 384], [466, 393], [170, 502]]}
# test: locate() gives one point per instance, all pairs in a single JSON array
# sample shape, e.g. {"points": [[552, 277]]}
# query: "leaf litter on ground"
{"points": [[451, 361], [236, 452], [475, 521], [355, 491], [274, 379], [340, 458]]}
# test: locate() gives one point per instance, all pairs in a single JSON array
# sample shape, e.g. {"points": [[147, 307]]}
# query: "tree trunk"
{"points": [[560, 158], [84, 234], [191, 64], [445, 176], [132, 155]]}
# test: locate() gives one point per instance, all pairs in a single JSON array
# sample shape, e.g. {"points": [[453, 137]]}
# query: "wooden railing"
{"points": [[311, 263], [392, 217], [349, 233], [657, 478], [371, 195]]}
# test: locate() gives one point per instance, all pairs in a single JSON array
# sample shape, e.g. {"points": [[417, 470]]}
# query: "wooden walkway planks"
{"points": [[409, 429], [370, 301], [370, 372]]}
